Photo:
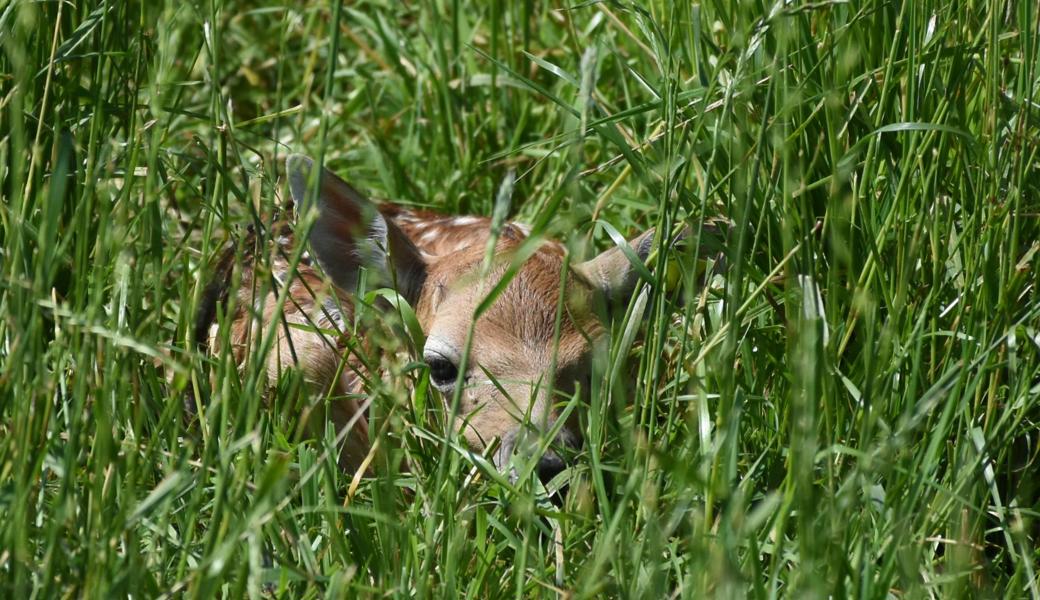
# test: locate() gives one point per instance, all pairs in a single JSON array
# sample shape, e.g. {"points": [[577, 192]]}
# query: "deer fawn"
{"points": [[437, 264]]}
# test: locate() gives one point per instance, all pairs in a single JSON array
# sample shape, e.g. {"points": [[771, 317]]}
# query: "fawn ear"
{"points": [[615, 272], [349, 232]]}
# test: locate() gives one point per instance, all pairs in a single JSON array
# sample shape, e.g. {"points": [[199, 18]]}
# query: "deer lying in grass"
{"points": [[438, 265]]}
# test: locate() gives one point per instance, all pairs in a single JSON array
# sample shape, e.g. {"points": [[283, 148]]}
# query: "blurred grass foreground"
{"points": [[851, 411]]}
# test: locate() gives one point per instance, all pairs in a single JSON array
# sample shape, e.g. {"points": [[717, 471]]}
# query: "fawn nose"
{"points": [[549, 466]]}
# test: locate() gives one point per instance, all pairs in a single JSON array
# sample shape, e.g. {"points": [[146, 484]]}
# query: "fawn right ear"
{"points": [[614, 274], [349, 232]]}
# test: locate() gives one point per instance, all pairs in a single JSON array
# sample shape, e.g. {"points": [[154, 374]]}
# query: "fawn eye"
{"points": [[443, 372]]}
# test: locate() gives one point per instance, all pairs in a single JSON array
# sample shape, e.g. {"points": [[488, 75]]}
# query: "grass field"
{"points": [[853, 410]]}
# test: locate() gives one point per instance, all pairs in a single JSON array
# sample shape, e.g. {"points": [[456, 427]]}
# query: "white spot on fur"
{"points": [[465, 221], [430, 236]]}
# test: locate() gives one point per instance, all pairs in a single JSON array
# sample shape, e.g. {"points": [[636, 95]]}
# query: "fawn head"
{"points": [[530, 348]]}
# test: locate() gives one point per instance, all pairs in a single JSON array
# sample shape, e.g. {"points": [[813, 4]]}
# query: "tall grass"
{"points": [[851, 411]]}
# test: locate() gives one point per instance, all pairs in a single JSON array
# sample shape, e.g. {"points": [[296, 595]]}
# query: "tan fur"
{"points": [[303, 337], [513, 339], [443, 260]]}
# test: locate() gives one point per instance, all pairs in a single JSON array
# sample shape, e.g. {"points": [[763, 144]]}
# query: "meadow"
{"points": [[852, 409]]}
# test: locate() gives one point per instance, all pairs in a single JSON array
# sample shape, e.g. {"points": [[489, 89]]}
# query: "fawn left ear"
{"points": [[350, 232]]}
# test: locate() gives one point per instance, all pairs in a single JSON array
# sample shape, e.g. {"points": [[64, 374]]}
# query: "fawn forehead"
{"points": [[518, 330]]}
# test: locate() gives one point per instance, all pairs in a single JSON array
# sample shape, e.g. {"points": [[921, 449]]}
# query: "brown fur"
{"points": [[515, 363], [513, 338]]}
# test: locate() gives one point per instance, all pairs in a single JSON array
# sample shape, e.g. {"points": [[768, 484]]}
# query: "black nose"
{"points": [[549, 466]]}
